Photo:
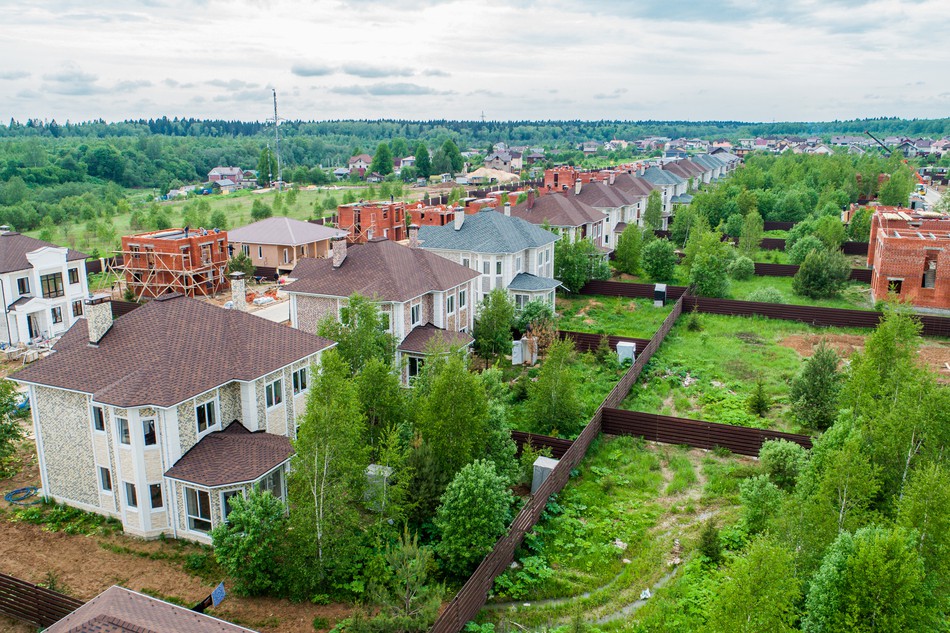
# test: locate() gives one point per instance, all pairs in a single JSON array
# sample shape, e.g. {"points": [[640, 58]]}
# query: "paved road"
{"points": [[931, 197], [278, 313]]}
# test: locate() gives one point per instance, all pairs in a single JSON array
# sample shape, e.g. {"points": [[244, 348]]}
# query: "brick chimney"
{"points": [[508, 209], [459, 218], [577, 186], [531, 196], [338, 249], [238, 292], [413, 236], [98, 313]]}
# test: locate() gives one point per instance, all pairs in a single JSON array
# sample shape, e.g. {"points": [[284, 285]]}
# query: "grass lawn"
{"points": [[635, 318], [710, 373], [629, 516]]}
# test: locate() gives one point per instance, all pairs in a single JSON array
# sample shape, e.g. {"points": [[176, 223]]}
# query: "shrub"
{"points": [[783, 461], [694, 322], [659, 260], [249, 544], [823, 274], [759, 402], [742, 268], [709, 545], [801, 248], [629, 249], [761, 500], [814, 391], [766, 294]]}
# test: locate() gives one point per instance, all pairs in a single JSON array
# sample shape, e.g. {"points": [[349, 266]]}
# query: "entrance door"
{"points": [[32, 325]]}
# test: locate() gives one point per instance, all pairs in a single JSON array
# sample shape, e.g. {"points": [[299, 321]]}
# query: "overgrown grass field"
{"points": [[618, 316]]}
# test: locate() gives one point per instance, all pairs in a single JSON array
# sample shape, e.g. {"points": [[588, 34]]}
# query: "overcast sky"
{"points": [[599, 59]]}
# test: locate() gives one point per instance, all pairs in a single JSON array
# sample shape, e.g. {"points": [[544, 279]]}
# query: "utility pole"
{"points": [[280, 180]]}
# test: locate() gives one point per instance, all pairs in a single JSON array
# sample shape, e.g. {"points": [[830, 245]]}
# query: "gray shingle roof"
{"points": [[14, 247], [683, 198], [487, 231], [660, 177], [532, 283], [282, 232]]}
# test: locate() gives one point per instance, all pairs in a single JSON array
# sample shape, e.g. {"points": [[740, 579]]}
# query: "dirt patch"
{"points": [[936, 356], [590, 305]]}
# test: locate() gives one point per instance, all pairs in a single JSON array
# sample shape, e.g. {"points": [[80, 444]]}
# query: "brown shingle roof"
{"points": [[118, 610], [558, 209], [232, 456], [633, 185], [15, 246], [601, 195], [418, 340], [379, 269], [169, 350]]}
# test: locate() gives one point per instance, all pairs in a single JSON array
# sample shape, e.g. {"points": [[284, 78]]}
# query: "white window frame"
{"points": [[246, 248], [277, 472], [498, 266], [56, 314], [24, 288], [161, 497], [145, 432], [123, 431], [274, 393], [415, 314], [190, 518], [260, 252], [299, 378], [102, 418], [131, 495], [450, 304], [69, 275], [211, 406], [463, 297], [466, 262], [105, 476], [225, 495]]}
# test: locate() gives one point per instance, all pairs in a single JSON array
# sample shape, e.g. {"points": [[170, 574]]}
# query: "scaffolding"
{"points": [[151, 274]]}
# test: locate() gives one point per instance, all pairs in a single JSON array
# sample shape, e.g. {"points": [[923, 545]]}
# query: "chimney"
{"points": [[577, 186], [98, 313], [459, 218], [238, 293], [508, 209], [531, 195], [641, 170], [413, 236], [613, 175], [338, 248]]}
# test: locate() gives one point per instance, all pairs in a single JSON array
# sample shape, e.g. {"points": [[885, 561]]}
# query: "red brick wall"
{"points": [[904, 258], [167, 259]]}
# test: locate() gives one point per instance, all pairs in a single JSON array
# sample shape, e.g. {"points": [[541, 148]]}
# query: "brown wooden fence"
{"points": [[557, 445], [30, 603], [778, 226], [585, 342], [696, 433], [790, 270], [473, 594]]}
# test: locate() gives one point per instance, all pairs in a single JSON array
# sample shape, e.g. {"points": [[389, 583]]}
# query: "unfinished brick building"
{"points": [[910, 255], [365, 220], [190, 262]]}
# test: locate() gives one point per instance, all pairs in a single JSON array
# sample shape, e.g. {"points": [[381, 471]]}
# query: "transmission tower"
{"points": [[280, 180]]}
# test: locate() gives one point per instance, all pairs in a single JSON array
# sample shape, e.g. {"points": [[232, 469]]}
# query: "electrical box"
{"points": [[543, 466], [626, 351], [659, 295]]}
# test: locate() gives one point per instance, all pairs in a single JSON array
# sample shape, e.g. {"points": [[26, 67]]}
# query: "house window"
{"points": [[518, 264], [220, 246], [286, 256], [131, 498], [540, 258], [148, 430], [415, 366], [273, 483], [300, 380], [198, 510], [547, 255], [123, 427], [77, 308], [521, 301], [105, 479], [463, 295], [415, 314], [273, 393], [226, 506], [52, 285], [155, 493], [57, 314], [98, 419], [205, 415], [486, 268], [450, 304], [246, 249], [384, 321], [498, 267], [260, 252], [466, 262], [23, 285], [74, 275]]}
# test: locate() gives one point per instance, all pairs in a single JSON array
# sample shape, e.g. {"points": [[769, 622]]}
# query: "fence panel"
{"points": [[93, 266], [855, 248], [586, 342], [30, 603]]}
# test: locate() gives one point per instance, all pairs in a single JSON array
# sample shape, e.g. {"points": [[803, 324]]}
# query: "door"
{"points": [[32, 325]]}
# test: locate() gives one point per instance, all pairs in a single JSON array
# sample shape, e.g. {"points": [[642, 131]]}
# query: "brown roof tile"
{"points": [[379, 269], [419, 339], [601, 195], [558, 209], [118, 610], [232, 456], [169, 350], [633, 185], [15, 246]]}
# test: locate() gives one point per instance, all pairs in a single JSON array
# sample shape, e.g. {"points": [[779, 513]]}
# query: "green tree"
{"points": [[493, 322], [382, 160], [328, 472], [266, 167], [750, 237], [260, 211], [475, 511], [577, 263], [441, 162], [553, 404], [536, 314], [629, 248], [381, 397], [783, 461], [362, 333], [869, 582], [815, 390], [709, 269], [896, 191], [757, 592], [924, 507], [399, 147], [456, 160], [250, 545], [761, 501], [742, 268], [859, 229], [682, 225], [801, 248], [748, 203], [11, 432], [659, 260], [219, 220], [653, 216], [241, 263], [830, 231], [423, 163], [822, 274]]}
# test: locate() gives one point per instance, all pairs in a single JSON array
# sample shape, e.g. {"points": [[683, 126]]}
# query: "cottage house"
{"points": [[42, 287], [420, 295], [160, 417], [567, 215], [280, 242], [506, 251]]}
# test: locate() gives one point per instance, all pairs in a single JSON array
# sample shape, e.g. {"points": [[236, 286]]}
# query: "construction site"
{"points": [[190, 262]]}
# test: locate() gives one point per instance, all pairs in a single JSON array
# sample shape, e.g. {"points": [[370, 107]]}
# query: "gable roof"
{"points": [[660, 177], [169, 350], [532, 283], [603, 196], [119, 610], [282, 232], [558, 209], [487, 231], [14, 247], [633, 185], [379, 269], [366, 158], [232, 456], [418, 340]]}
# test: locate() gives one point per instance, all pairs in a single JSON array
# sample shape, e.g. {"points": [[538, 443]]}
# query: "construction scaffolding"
{"points": [[149, 274]]}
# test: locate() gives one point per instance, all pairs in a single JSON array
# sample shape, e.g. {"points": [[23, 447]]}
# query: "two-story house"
{"points": [[617, 205], [670, 186], [42, 287], [567, 214], [160, 417], [506, 251], [420, 296], [280, 242]]}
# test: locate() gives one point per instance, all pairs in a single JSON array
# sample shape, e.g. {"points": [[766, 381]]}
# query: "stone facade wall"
{"points": [[311, 310], [230, 403], [62, 419]]}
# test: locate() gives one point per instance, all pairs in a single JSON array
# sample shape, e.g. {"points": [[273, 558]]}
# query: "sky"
{"points": [[752, 60]]}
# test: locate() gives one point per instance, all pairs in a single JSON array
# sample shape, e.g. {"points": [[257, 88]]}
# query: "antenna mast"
{"points": [[280, 180]]}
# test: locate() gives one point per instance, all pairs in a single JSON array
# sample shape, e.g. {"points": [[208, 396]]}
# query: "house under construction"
{"points": [[190, 262]]}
